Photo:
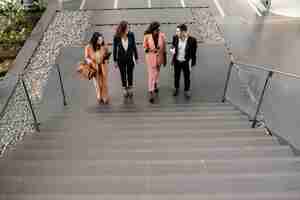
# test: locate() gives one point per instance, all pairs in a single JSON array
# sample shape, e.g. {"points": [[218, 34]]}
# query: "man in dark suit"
{"points": [[184, 50]]}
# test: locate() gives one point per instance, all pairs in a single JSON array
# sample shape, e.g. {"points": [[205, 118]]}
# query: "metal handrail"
{"points": [[262, 68], [145, 8]]}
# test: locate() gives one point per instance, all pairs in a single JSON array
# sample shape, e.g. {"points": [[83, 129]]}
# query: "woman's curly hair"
{"points": [[152, 27]]}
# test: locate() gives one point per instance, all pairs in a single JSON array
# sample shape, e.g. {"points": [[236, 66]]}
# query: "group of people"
{"points": [[125, 56]]}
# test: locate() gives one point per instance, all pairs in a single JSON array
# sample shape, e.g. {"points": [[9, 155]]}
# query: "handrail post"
{"points": [[270, 74], [61, 84], [227, 81], [36, 124]]}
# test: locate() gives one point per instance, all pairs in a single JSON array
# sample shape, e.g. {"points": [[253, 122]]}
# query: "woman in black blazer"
{"points": [[124, 53]]}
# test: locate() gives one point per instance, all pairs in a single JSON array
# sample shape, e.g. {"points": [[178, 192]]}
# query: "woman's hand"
{"points": [[116, 65], [172, 50], [88, 61]]}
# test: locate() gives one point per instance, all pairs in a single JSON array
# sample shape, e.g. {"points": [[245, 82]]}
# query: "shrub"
{"points": [[17, 25]]}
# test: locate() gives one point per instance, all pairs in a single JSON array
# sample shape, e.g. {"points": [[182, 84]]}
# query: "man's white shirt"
{"points": [[181, 49]]}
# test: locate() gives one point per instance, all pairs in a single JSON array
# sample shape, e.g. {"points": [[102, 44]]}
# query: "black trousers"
{"points": [[126, 71], [178, 67]]}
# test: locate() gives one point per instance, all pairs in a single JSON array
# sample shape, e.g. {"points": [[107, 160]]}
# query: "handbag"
{"points": [[86, 71], [165, 59], [106, 56]]}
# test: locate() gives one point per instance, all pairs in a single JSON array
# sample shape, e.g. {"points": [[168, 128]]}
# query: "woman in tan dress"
{"points": [[97, 55]]}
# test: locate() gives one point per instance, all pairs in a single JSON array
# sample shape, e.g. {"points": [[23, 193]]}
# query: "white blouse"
{"points": [[125, 43]]}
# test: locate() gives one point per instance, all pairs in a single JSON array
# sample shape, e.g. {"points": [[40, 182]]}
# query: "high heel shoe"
{"points": [[100, 101], [130, 92], [106, 102], [125, 93]]}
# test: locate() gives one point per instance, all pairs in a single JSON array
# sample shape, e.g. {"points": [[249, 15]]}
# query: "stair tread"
{"points": [[188, 132], [284, 159], [153, 154], [163, 105], [206, 184], [91, 125], [220, 196], [129, 113], [153, 167], [144, 143], [159, 118]]}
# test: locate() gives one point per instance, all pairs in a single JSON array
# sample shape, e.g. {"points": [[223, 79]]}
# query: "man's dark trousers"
{"points": [[178, 67]]}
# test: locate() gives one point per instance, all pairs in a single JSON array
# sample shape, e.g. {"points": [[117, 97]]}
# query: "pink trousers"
{"points": [[153, 77]]}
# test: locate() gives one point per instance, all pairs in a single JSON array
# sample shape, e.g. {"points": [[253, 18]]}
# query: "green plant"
{"points": [[17, 27], [13, 37], [4, 66], [16, 24], [38, 6], [13, 11]]}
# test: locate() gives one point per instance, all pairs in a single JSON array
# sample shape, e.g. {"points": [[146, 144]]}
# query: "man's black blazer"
{"points": [[119, 53], [190, 50]]}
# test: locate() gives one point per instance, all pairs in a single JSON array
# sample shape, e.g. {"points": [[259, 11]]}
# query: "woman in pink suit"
{"points": [[155, 49]]}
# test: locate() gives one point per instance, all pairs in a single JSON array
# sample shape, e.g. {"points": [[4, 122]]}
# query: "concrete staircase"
{"points": [[198, 151]]}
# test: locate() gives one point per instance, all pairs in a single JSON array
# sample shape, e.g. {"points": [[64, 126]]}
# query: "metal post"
{"points": [[261, 98], [36, 124], [61, 85], [227, 81]]}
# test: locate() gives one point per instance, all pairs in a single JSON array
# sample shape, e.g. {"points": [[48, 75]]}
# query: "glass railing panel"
{"points": [[245, 87], [281, 107]]}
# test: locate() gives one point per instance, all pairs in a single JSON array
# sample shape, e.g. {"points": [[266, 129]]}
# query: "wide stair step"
{"points": [[149, 143], [152, 154], [157, 107], [153, 113], [203, 133], [170, 184], [152, 118], [94, 126], [218, 196], [148, 167]]}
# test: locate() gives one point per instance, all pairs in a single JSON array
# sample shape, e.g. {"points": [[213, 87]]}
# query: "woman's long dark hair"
{"points": [[94, 40], [121, 29], [152, 27]]}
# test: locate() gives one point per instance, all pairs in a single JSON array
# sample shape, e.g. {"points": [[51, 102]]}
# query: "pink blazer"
{"points": [[154, 59]]}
